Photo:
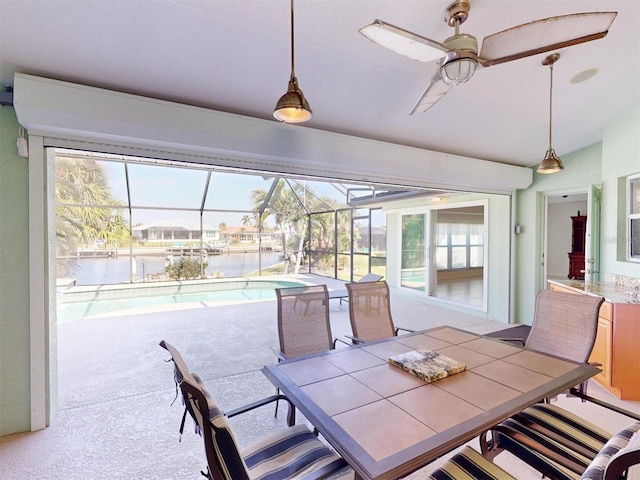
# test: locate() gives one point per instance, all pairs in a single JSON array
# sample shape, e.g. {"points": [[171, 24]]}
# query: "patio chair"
{"points": [[303, 322], [343, 294], [292, 452], [370, 312], [563, 446], [565, 325]]}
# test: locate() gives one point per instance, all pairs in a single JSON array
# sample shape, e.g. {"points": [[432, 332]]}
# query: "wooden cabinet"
{"points": [[576, 255], [616, 347], [601, 352]]}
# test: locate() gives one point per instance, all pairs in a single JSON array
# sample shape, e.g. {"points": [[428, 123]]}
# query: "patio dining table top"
{"points": [[387, 423]]}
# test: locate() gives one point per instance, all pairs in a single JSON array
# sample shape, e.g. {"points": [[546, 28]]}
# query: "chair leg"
{"points": [[489, 447], [277, 402]]}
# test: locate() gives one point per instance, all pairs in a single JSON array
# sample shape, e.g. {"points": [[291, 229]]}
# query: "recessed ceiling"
{"points": [[234, 56]]}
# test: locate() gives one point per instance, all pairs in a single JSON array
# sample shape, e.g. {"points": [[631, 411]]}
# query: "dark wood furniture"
{"points": [[387, 423], [576, 255]]}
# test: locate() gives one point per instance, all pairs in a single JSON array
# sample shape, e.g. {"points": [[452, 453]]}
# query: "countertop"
{"points": [[612, 293]]}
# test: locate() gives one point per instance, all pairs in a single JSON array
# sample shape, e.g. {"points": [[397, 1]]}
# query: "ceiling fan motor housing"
{"points": [[457, 68]]}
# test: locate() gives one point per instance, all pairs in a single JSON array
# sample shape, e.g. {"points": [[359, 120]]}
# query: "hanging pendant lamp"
{"points": [[292, 106], [551, 163]]}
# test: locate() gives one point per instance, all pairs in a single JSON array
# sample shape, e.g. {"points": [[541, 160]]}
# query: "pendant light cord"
{"points": [[550, 103], [292, 50]]}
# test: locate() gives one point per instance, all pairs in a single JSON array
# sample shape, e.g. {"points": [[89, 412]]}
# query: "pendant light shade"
{"points": [[292, 107], [551, 163]]}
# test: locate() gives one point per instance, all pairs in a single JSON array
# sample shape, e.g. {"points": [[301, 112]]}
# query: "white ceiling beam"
{"points": [[52, 108]]}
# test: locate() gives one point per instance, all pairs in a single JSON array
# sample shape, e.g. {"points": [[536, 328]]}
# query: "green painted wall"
{"points": [[15, 402], [620, 158], [618, 155]]}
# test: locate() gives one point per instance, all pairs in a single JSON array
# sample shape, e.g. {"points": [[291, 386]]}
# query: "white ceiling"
{"points": [[234, 56]]}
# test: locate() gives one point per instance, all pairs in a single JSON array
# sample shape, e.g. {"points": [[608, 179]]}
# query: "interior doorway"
{"points": [[560, 208]]}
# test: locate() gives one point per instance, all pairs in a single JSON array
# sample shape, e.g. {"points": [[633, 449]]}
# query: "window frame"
{"points": [[632, 216]]}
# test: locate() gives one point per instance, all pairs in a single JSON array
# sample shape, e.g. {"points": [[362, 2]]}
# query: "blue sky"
{"points": [[170, 187]]}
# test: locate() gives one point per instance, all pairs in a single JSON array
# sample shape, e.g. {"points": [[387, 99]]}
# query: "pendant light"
{"points": [[551, 163], [292, 106]]}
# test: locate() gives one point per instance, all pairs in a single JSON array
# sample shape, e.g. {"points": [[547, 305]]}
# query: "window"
{"points": [[413, 252], [633, 217], [459, 245]]}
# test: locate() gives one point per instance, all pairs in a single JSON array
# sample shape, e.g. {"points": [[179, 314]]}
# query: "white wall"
{"points": [[559, 236], [497, 242]]}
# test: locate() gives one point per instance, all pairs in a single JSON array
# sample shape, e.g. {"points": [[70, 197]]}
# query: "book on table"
{"points": [[427, 364]]}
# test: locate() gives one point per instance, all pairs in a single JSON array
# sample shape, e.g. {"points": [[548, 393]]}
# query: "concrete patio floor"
{"points": [[116, 418]]}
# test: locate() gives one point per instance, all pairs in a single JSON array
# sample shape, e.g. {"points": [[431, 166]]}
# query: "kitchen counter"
{"points": [[611, 292], [618, 332]]}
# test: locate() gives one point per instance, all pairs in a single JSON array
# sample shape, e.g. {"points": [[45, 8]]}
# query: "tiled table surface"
{"points": [[387, 422]]}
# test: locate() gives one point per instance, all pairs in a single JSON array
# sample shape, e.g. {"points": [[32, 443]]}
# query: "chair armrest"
{"points": [[291, 416], [404, 330], [336, 340], [279, 354], [574, 391], [521, 341], [355, 340]]}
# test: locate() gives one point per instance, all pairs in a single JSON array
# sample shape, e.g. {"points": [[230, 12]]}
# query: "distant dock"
{"points": [[99, 253]]}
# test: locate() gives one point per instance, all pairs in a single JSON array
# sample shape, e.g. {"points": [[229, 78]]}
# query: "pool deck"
{"points": [[115, 417]]}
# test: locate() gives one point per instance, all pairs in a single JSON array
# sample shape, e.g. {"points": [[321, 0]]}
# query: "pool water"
{"points": [[72, 311]]}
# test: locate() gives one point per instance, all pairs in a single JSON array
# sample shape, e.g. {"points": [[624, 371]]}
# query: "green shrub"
{"points": [[185, 268]]}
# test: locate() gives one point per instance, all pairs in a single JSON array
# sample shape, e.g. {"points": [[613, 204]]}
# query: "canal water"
{"points": [[101, 271]]}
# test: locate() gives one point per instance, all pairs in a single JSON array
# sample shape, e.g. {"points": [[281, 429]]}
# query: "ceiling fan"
{"points": [[458, 55]]}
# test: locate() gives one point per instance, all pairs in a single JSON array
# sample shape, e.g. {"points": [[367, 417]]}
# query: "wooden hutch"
{"points": [[576, 255]]}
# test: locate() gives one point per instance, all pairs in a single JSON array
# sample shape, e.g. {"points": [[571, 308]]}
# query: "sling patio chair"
{"points": [[564, 325], [293, 452], [303, 322], [618, 456], [370, 312], [564, 446]]}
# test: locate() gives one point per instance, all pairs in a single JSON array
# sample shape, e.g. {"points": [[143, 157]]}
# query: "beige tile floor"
{"points": [[115, 416]]}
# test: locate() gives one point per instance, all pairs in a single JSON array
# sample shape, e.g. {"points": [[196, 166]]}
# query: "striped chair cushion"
{"points": [[626, 439], [228, 457], [290, 453], [469, 465], [551, 439]]}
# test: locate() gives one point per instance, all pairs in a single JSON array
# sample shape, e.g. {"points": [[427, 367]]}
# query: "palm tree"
{"points": [[283, 205], [246, 221], [85, 209]]}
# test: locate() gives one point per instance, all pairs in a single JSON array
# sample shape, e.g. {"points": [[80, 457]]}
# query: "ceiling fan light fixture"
{"points": [[459, 69], [551, 163], [292, 107]]}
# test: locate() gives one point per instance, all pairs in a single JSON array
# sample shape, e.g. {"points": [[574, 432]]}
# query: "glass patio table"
{"points": [[387, 423]]}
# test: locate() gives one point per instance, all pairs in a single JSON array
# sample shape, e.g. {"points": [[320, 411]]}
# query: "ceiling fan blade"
{"points": [[434, 92], [403, 41], [544, 35]]}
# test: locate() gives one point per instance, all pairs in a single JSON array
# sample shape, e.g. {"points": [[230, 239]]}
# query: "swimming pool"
{"points": [[80, 303]]}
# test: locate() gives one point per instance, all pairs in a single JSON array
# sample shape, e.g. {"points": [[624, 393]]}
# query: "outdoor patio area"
{"points": [[116, 418]]}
